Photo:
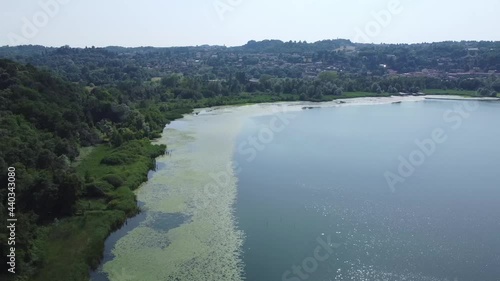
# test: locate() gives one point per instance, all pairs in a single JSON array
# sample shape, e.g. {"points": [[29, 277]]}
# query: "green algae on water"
{"points": [[208, 245]]}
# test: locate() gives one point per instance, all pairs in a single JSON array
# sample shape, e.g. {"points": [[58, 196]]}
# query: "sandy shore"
{"points": [[442, 97], [265, 108]]}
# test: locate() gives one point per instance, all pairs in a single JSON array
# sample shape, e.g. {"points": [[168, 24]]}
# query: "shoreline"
{"points": [[185, 135], [299, 105], [460, 98], [210, 237], [200, 148]]}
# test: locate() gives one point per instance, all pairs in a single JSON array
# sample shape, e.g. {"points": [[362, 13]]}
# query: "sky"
{"points": [[165, 23]]}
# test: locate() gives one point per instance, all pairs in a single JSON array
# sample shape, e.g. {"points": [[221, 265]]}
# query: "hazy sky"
{"points": [[234, 22]]}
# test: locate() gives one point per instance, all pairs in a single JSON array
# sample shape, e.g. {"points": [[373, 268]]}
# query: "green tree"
{"points": [[375, 88]]}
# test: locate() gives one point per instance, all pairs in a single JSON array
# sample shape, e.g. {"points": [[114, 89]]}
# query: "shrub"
{"points": [[113, 160], [123, 199], [117, 159], [98, 189], [114, 180]]}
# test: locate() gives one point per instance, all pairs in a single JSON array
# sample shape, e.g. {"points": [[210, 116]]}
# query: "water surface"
{"points": [[323, 175]]}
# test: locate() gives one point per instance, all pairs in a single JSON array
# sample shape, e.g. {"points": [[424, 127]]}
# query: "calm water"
{"points": [[323, 178]]}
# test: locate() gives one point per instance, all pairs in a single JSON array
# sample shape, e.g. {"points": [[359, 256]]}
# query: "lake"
{"points": [[324, 175], [356, 191]]}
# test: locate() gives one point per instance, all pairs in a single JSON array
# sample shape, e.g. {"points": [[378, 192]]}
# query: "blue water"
{"points": [[323, 178]]}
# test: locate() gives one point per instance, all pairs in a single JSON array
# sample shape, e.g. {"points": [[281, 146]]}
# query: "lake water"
{"points": [[315, 204], [407, 191]]}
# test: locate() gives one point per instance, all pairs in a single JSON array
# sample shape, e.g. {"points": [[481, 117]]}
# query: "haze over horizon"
{"points": [[235, 22]]}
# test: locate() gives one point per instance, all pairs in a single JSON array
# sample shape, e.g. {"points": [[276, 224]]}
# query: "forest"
{"points": [[45, 123], [309, 70]]}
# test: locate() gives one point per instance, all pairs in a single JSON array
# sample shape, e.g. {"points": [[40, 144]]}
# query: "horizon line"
{"points": [[257, 41]]}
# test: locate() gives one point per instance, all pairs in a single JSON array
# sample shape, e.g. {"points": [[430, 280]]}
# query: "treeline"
{"points": [[278, 46], [403, 58], [105, 66], [326, 85]]}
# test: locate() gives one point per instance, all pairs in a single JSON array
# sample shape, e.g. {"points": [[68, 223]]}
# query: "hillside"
{"points": [[44, 123]]}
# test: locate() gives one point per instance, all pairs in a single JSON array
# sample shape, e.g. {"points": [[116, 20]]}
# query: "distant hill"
{"points": [[104, 66]]}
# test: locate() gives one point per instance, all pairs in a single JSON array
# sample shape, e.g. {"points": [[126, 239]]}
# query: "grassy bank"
{"points": [[351, 95], [461, 93], [68, 248]]}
